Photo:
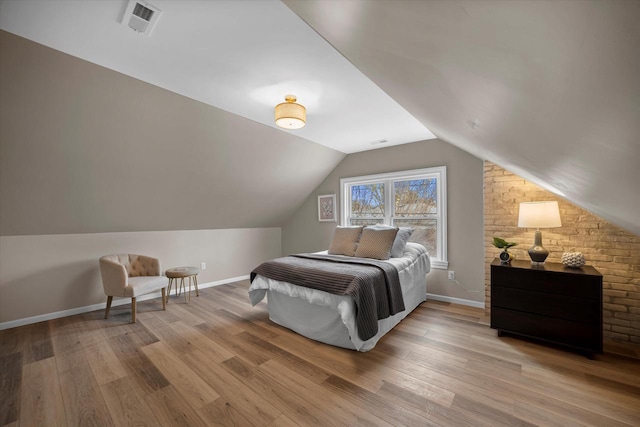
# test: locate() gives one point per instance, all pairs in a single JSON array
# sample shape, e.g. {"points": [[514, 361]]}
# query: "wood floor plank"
{"points": [[196, 392], [425, 408], [80, 391], [12, 340], [75, 333], [533, 415], [246, 324], [283, 421], [376, 404], [428, 353], [256, 409], [105, 365], [342, 410], [10, 382], [41, 398], [170, 337], [186, 312], [345, 365], [126, 403], [222, 413], [199, 341], [171, 409], [290, 404], [221, 323], [292, 361], [485, 415], [127, 348], [40, 344], [233, 344]]}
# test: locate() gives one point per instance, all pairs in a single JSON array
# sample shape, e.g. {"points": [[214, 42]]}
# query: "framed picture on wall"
{"points": [[327, 208]]}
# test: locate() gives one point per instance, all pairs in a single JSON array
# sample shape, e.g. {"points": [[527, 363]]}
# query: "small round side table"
{"points": [[182, 273]]}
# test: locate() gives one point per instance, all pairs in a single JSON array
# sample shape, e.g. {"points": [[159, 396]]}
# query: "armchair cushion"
{"points": [[143, 285]]}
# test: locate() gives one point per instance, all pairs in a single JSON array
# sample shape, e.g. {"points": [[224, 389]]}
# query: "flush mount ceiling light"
{"points": [[290, 115]]}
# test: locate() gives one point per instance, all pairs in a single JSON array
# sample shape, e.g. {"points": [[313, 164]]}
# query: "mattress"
{"points": [[330, 318]]}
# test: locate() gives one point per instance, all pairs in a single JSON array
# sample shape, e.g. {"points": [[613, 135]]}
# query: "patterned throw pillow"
{"points": [[345, 241], [404, 233], [376, 243]]}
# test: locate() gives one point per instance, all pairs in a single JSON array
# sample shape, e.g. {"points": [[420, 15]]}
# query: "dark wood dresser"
{"points": [[551, 303]]}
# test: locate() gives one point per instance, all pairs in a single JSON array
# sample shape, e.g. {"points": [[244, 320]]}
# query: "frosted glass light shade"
{"points": [[539, 215], [290, 115]]}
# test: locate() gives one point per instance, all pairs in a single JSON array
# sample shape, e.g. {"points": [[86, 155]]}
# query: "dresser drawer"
{"points": [[574, 334], [546, 304], [576, 286]]}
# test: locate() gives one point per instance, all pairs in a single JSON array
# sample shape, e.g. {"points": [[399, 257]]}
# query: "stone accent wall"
{"points": [[613, 251]]}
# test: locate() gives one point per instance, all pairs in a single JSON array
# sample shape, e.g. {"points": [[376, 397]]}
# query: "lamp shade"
{"points": [[539, 215], [290, 115]]}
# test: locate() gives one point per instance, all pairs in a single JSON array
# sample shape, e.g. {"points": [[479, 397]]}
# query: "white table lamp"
{"points": [[538, 215]]}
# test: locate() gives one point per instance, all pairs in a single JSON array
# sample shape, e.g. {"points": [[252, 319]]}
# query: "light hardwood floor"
{"points": [[219, 361]]}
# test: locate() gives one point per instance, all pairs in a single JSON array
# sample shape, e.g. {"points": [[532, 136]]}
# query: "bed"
{"points": [[331, 318]]}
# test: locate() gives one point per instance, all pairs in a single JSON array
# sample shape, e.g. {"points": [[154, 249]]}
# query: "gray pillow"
{"points": [[397, 251]]}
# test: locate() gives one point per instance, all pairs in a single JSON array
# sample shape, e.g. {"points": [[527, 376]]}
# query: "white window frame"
{"points": [[438, 260]]}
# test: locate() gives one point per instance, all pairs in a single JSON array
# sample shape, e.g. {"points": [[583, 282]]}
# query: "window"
{"points": [[415, 199]]}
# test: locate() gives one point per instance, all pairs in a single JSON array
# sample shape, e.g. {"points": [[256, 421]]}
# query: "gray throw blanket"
{"points": [[374, 285]]}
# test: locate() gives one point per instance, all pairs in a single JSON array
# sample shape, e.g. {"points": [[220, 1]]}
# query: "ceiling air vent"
{"points": [[141, 16]]}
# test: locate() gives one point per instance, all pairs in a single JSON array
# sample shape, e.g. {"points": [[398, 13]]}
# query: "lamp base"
{"points": [[537, 252]]}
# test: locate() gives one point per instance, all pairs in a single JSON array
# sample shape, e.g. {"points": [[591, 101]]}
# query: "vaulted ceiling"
{"points": [[549, 90], [546, 89]]}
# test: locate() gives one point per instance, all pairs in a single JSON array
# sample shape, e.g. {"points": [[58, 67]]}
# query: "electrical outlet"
{"points": [[452, 275], [203, 266]]}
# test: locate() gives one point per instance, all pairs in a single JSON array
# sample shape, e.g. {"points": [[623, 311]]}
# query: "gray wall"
{"points": [[93, 162], [303, 232], [84, 149], [44, 274]]}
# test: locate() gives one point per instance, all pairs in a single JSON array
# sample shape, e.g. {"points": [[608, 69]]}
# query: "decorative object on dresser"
{"points": [[573, 259], [505, 256], [539, 215], [550, 303]]}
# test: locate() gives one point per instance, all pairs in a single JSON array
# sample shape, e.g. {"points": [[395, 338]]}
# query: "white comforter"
{"points": [[412, 269]]}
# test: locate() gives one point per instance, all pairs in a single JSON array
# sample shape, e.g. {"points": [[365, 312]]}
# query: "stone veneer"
{"points": [[613, 251]]}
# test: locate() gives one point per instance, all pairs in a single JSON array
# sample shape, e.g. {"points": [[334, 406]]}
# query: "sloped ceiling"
{"points": [[240, 56], [549, 90], [546, 89]]}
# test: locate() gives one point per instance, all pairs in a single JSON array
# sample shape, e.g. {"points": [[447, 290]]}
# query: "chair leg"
{"points": [[106, 312], [164, 299], [133, 310]]}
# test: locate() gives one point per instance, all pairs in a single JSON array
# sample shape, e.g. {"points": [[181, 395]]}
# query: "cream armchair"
{"points": [[128, 275]]}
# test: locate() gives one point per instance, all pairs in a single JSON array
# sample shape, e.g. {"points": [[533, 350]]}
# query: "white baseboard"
{"points": [[101, 306], [453, 300]]}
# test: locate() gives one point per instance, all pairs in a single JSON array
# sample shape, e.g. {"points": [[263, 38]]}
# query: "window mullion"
{"points": [[390, 205]]}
